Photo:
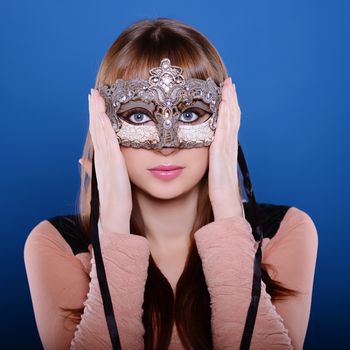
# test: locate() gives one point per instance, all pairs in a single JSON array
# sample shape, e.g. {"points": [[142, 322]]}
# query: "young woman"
{"points": [[178, 248]]}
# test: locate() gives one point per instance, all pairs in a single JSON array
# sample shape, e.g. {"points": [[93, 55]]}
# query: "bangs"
{"points": [[133, 57]]}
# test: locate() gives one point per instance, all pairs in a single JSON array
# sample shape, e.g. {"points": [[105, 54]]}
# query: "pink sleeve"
{"points": [[291, 256], [227, 250], [58, 279]]}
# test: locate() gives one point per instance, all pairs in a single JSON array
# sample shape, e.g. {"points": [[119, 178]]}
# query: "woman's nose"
{"points": [[167, 150]]}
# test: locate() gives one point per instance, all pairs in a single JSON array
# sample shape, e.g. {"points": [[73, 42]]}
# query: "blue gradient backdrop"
{"points": [[290, 62]]}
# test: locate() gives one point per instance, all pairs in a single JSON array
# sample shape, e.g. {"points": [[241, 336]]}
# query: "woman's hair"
{"points": [[137, 49]]}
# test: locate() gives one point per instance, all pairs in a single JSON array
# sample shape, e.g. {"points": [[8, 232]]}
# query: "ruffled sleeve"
{"points": [[58, 279], [227, 250]]}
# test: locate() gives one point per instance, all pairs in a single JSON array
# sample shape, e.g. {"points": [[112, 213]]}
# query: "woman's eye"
{"points": [[135, 116], [189, 116], [139, 118], [194, 116]]}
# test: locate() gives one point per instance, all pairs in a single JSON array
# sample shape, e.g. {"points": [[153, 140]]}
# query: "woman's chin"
{"points": [[163, 191]]}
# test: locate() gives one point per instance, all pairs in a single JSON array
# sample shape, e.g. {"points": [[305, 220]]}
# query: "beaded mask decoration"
{"points": [[166, 98]]}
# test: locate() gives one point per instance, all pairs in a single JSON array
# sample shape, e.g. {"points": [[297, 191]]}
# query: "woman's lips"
{"points": [[166, 172]]}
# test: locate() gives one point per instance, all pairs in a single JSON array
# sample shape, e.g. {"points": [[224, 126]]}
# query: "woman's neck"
{"points": [[168, 222]]}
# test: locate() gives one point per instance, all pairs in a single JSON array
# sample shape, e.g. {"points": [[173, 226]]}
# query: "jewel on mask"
{"points": [[167, 124]]}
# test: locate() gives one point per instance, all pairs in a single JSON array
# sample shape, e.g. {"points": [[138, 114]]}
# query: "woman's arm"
{"points": [[291, 259], [227, 249], [57, 279]]}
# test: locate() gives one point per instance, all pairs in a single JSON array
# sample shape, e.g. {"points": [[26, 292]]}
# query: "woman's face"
{"points": [[139, 161]]}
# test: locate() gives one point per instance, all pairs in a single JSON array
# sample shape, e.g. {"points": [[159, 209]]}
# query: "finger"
{"points": [[224, 93], [238, 120], [225, 101], [109, 133], [92, 111], [97, 108], [95, 129], [89, 105], [234, 108], [107, 125], [91, 120], [103, 135], [108, 139], [231, 96], [101, 110], [220, 125], [100, 137], [100, 120], [227, 115], [233, 93], [101, 106], [229, 129]]}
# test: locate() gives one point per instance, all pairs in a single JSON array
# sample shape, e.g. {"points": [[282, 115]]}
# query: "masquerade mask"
{"points": [[167, 100]]}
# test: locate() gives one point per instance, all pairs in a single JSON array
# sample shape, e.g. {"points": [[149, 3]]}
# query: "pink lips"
{"points": [[166, 172]]}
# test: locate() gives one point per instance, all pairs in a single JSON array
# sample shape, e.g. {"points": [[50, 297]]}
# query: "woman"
{"points": [[177, 245]]}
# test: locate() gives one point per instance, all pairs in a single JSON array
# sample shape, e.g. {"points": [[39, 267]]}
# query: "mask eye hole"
{"points": [[137, 116], [193, 115]]}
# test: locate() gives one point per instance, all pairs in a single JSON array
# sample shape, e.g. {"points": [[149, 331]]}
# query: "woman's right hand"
{"points": [[111, 173]]}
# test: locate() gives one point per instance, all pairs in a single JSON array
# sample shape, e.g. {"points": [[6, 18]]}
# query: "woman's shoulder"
{"points": [[273, 216], [62, 232], [290, 254], [289, 226]]}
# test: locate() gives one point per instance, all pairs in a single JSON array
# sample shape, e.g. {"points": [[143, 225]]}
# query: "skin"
{"points": [[168, 207]]}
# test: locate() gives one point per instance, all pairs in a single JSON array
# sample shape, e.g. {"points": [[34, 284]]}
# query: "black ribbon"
{"points": [[100, 268], [258, 236]]}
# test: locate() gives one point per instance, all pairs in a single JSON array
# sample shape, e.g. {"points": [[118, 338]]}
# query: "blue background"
{"points": [[290, 62]]}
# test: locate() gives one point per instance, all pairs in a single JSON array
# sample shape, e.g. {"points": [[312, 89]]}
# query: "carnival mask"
{"points": [[167, 100]]}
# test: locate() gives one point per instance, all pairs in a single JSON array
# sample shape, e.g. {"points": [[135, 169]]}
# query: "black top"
{"points": [[270, 215]]}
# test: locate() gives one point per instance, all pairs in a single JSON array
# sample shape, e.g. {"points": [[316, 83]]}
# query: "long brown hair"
{"points": [[137, 48]]}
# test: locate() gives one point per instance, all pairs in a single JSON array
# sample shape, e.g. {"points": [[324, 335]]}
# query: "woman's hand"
{"points": [[223, 177], [111, 173]]}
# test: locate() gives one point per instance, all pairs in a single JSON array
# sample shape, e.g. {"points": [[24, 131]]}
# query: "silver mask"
{"points": [[171, 97]]}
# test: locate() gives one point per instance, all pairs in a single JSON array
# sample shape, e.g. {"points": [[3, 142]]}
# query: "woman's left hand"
{"points": [[223, 177]]}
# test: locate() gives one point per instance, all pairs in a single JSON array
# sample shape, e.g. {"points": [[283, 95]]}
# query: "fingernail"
{"points": [[230, 80], [92, 91]]}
